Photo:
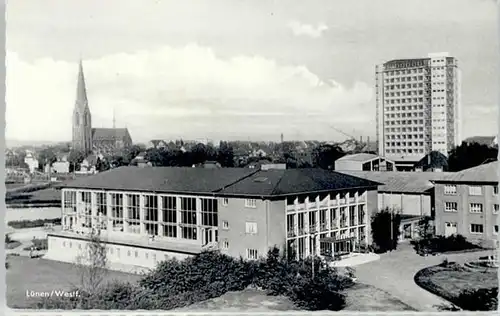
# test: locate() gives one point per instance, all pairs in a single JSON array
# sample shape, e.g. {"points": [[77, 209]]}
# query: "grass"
{"points": [[25, 274], [34, 223], [449, 281], [12, 244]]}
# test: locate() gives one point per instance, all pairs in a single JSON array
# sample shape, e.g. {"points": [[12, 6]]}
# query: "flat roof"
{"points": [[221, 181], [485, 173], [361, 157], [402, 182]]}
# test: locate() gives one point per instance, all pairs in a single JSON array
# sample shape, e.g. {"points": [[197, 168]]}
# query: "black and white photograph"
{"points": [[264, 156]]}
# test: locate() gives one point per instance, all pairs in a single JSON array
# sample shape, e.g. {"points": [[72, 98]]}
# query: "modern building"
{"points": [[145, 215], [418, 107], [363, 162], [88, 139], [467, 203]]}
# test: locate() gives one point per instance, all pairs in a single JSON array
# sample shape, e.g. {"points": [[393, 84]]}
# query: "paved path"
{"points": [[395, 270]]}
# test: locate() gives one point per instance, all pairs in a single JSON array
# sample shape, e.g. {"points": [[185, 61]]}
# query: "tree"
{"points": [[385, 229], [425, 227], [92, 264], [75, 158], [468, 155], [324, 156], [225, 155], [46, 156], [433, 160]]}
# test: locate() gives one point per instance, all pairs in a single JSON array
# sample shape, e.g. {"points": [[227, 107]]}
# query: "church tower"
{"points": [[82, 123]]}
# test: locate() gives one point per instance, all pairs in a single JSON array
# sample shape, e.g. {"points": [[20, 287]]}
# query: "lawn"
{"points": [[12, 245], [25, 274], [449, 281]]}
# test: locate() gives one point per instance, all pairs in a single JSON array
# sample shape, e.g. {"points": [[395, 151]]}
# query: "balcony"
{"points": [[352, 200]]}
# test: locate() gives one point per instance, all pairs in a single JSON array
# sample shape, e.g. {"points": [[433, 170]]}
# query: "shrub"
{"points": [[443, 244], [39, 244], [381, 228], [175, 284], [478, 299], [7, 238]]}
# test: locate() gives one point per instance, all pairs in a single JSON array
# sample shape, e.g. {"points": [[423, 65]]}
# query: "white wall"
{"points": [[410, 204], [120, 257]]}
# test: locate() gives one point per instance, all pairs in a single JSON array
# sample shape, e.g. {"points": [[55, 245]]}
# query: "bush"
{"points": [[33, 223], [443, 244], [39, 244], [175, 284], [381, 222], [478, 299]]}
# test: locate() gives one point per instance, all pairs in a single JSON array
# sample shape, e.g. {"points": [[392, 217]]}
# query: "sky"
{"points": [[234, 69]]}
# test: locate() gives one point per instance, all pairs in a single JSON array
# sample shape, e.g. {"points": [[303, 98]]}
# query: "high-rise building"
{"points": [[418, 107]]}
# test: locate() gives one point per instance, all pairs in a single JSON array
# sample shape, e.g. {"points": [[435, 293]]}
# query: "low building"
{"points": [[31, 161], [467, 204], [144, 215], [363, 162], [410, 193]]}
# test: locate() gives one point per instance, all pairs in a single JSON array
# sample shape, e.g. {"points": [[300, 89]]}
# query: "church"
{"points": [[94, 140]]}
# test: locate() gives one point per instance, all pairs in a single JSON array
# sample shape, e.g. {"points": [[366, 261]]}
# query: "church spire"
{"points": [[81, 90]]}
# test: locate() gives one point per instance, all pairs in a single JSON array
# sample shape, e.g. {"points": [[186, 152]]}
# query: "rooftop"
{"points": [[361, 157], [221, 181], [487, 172], [401, 182]]}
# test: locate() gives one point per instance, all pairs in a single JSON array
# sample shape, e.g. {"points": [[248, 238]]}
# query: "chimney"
{"points": [[361, 139], [368, 139]]}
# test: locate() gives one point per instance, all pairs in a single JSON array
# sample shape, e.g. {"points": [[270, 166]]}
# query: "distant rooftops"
{"points": [[243, 182]]}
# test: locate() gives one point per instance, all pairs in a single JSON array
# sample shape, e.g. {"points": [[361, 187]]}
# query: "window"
{"points": [[251, 228], [495, 208], [188, 218], [495, 190], [476, 208], [495, 229], [225, 224], [450, 206], [450, 189], [476, 228], [117, 211], [169, 210], [475, 190], [225, 201], [252, 254], [151, 214], [251, 203], [209, 212], [133, 212], [225, 244]]}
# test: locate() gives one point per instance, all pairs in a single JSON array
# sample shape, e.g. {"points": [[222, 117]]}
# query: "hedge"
{"points": [[34, 223], [441, 244], [210, 274]]}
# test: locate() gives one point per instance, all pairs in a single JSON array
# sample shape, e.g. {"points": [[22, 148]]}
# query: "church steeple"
{"points": [[82, 121], [81, 89]]}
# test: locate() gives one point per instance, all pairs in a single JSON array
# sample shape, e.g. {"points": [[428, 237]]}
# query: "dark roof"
{"points": [[109, 133], [223, 181]]}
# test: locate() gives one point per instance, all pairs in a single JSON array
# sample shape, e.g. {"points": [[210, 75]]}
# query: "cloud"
{"points": [[300, 29], [187, 91]]}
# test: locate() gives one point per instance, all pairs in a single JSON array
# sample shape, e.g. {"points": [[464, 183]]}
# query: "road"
{"points": [[395, 270]]}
